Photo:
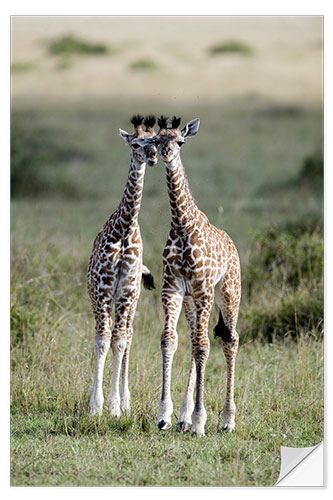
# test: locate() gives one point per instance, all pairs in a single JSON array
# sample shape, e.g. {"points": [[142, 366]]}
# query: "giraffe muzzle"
{"points": [[152, 162]]}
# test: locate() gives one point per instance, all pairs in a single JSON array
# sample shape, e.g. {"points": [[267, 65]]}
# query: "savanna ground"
{"points": [[255, 168]]}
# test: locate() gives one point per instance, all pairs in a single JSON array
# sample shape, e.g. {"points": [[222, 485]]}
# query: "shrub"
{"points": [[312, 171], [296, 313], [283, 283], [36, 150], [144, 65], [231, 47], [288, 259], [68, 44]]}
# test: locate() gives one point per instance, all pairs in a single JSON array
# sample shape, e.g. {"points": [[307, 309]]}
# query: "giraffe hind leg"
{"points": [[125, 396], [187, 404], [227, 298]]}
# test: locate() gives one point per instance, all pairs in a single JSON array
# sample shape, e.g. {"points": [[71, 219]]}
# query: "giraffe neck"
{"points": [[184, 210], [130, 203]]}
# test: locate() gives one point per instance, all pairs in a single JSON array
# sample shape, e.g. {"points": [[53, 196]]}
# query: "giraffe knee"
{"points": [[168, 343], [200, 348], [119, 342], [102, 346], [102, 336]]}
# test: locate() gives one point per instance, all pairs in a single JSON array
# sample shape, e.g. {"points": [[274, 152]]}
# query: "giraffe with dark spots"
{"points": [[200, 264], [114, 274]]}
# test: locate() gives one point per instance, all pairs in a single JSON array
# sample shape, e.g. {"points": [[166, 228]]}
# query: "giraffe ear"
{"points": [[125, 135], [191, 128]]}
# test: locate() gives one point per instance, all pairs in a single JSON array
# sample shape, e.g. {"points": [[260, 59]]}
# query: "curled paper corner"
{"points": [[302, 466]]}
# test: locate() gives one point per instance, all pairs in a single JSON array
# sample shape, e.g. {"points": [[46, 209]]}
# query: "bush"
{"points": [[293, 315], [70, 45], [312, 171], [36, 150], [288, 259], [283, 283], [231, 47], [144, 65]]}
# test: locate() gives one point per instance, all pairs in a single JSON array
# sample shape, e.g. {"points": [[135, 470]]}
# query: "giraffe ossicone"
{"points": [[114, 274]]}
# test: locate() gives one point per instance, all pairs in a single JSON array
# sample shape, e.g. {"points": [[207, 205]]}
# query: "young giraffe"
{"points": [[114, 274], [199, 261]]}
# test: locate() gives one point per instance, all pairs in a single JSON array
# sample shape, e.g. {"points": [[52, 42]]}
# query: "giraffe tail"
{"points": [[148, 278], [221, 330]]}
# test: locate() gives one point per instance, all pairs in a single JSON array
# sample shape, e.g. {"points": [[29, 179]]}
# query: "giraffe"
{"points": [[114, 274], [200, 263]]}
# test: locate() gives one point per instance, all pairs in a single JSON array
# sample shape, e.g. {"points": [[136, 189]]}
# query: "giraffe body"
{"points": [[114, 277], [200, 264]]}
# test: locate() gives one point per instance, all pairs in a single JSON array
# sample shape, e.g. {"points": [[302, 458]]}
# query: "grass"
{"points": [[231, 47], [56, 443], [279, 382]]}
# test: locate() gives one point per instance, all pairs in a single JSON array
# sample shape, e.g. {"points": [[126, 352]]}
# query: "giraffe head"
{"points": [[169, 140], [142, 151]]}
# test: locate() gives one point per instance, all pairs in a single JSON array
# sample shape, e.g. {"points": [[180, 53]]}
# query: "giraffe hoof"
{"points": [[95, 411], [198, 433], [228, 427], [184, 426], [163, 425]]}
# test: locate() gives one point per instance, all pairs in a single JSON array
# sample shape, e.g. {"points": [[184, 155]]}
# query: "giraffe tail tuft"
{"points": [[221, 330], [148, 278]]}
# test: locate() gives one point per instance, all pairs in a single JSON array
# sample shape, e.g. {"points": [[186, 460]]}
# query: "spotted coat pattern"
{"points": [[114, 278], [200, 263]]}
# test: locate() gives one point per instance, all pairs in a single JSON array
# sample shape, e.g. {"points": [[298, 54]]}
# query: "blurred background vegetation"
{"points": [[255, 168]]}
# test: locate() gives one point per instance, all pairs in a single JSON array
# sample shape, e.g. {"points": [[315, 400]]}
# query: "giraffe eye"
{"points": [[180, 143], [135, 146]]}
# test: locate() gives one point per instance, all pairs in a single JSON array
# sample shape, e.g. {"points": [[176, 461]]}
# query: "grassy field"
{"points": [[245, 169]]}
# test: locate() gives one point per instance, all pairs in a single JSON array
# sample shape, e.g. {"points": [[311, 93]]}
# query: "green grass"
{"points": [[242, 168], [59, 444]]}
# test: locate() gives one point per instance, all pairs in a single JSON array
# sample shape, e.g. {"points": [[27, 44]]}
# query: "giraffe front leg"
{"points": [[125, 396], [96, 396], [172, 303], [199, 415], [118, 345], [187, 404], [118, 348], [200, 352], [102, 346]]}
